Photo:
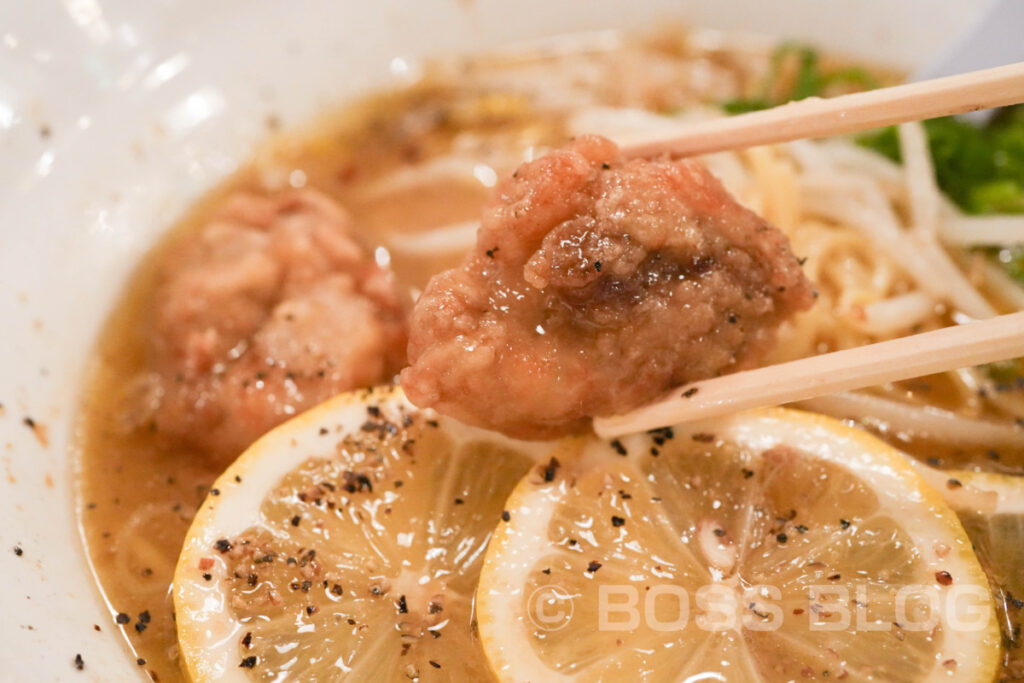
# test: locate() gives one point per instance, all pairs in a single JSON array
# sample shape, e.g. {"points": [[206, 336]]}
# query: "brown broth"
{"points": [[137, 494]]}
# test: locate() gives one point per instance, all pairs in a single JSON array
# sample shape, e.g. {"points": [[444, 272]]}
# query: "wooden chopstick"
{"points": [[816, 118], [974, 343]]}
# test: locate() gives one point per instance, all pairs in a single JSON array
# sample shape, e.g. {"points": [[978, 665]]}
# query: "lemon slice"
{"points": [[768, 546], [991, 508], [346, 542]]}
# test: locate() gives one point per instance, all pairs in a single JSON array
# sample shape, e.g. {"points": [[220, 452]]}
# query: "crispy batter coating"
{"points": [[272, 308], [596, 284]]}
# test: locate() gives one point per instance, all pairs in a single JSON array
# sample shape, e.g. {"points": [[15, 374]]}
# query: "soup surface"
{"points": [[413, 168]]}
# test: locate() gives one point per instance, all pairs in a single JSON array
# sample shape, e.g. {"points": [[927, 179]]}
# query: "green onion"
{"points": [[810, 81]]}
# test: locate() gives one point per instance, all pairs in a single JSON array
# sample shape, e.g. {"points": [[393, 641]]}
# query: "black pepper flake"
{"points": [[703, 437], [374, 411], [801, 528], [505, 515], [719, 532], [18, 551], [223, 545], [144, 617], [546, 571], [323, 431], [207, 577], [844, 523], [214, 492], [732, 318], [296, 519], [140, 627], [944, 578], [617, 521], [306, 585], [618, 447], [311, 610], [655, 452], [551, 469], [597, 266], [993, 454], [122, 618], [781, 538], [79, 662], [248, 663], [355, 481], [140, 661], [747, 474], [834, 577], [954, 483], [434, 664], [593, 567], [490, 253], [403, 607], [691, 392], [29, 422], [247, 640], [606, 166]]}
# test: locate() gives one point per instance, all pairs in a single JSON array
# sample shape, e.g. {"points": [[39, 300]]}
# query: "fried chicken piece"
{"points": [[272, 308], [596, 284]]}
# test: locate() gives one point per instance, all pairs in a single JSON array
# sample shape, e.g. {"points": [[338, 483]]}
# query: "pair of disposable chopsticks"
{"points": [[960, 346]]}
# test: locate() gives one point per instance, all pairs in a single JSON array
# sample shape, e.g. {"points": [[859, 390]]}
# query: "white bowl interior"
{"points": [[115, 114]]}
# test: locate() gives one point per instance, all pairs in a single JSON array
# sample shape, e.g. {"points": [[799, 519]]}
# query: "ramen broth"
{"points": [[388, 161]]}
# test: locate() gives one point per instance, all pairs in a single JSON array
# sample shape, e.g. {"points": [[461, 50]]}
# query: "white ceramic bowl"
{"points": [[114, 114]]}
